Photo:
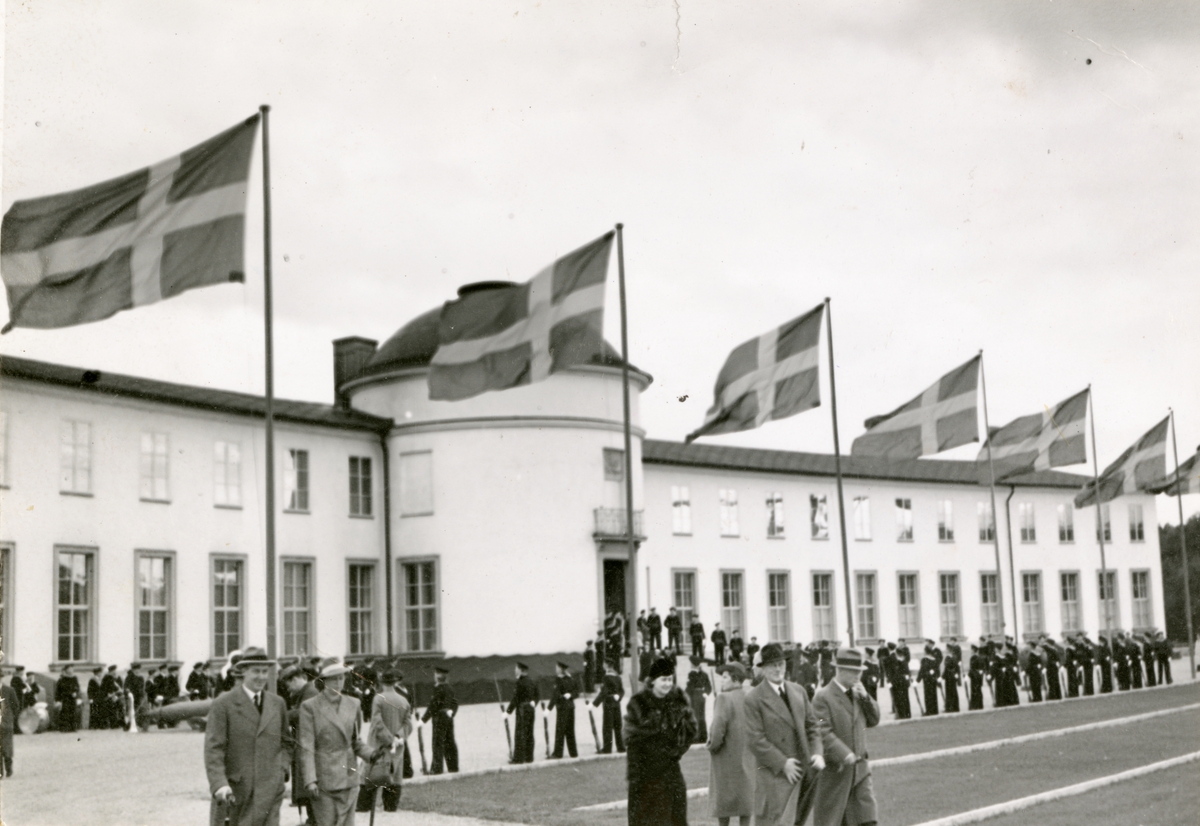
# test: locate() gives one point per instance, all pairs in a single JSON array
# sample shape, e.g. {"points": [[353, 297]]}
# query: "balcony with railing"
{"points": [[612, 524]]}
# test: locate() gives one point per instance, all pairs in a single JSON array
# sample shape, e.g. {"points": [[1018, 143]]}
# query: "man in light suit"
{"points": [[844, 712], [782, 733], [246, 747], [391, 724], [330, 745]]}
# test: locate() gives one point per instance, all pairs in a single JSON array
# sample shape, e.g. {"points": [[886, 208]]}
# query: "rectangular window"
{"points": [[3, 448], [1069, 587], [614, 465], [295, 480], [731, 601], [779, 615], [227, 474], [910, 610], [420, 606], [684, 595], [361, 603], [862, 518], [152, 469], [904, 525], [823, 622], [1028, 525], [865, 591], [1109, 610], [74, 605], [75, 457], [1137, 530], [297, 609], [227, 602], [416, 483], [1106, 517], [989, 605], [1143, 616], [154, 606], [945, 521], [987, 524], [818, 508], [729, 514], [360, 486], [1031, 603], [1066, 524], [948, 605], [775, 515], [681, 510]]}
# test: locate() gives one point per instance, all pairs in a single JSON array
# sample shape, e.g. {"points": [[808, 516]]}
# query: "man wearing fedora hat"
{"points": [[246, 747], [782, 733], [330, 744], [844, 712]]}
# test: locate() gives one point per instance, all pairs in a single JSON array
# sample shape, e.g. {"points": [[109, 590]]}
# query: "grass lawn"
{"points": [[907, 794]]}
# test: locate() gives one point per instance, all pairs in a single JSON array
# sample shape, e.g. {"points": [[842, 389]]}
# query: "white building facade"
{"points": [[132, 525]]}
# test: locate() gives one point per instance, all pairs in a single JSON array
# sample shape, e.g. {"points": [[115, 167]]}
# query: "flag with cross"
{"points": [[85, 255], [942, 417], [1141, 468], [1050, 439], [769, 377], [498, 335]]}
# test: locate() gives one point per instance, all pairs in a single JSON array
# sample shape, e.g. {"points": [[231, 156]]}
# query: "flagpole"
{"points": [[1100, 529], [270, 386], [1187, 590], [1012, 571], [992, 474], [631, 587], [837, 467]]}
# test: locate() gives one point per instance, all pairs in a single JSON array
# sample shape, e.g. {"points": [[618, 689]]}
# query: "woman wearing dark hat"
{"points": [[659, 729]]}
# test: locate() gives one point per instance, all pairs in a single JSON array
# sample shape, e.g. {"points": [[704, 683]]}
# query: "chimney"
{"points": [[350, 357]]}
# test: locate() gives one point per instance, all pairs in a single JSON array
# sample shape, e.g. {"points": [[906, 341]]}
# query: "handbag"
{"points": [[379, 772]]}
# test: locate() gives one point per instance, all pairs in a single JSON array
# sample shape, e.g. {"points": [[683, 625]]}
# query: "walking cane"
{"points": [[592, 720], [504, 714]]}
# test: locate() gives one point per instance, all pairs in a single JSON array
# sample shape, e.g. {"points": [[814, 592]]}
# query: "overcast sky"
{"points": [[1016, 177]]}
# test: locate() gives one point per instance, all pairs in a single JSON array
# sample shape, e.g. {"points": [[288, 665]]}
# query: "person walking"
{"points": [[330, 743], [844, 795], [659, 729], [609, 697], [391, 723], [247, 746], [523, 706], [295, 678], [562, 702], [442, 709], [731, 765], [783, 735]]}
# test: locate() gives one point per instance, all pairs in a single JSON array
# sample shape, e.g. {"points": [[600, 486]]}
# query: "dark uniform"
{"points": [[1087, 666], [1162, 653], [870, 675], [614, 639], [97, 707], [112, 690], [752, 649], [611, 692], [698, 688], [562, 701], [927, 675], [1035, 674], [135, 684], [66, 692], [1005, 675], [806, 673], [696, 633], [901, 678], [589, 668], [1120, 663], [442, 709], [1071, 664], [523, 705], [736, 646], [719, 641], [1104, 657], [197, 684], [976, 670], [1147, 646], [951, 680], [654, 625], [1053, 664], [674, 625]]}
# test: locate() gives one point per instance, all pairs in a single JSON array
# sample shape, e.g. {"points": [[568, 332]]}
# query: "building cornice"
{"points": [[514, 422]]}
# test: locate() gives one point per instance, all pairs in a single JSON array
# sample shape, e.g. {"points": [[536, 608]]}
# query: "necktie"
{"points": [[783, 695], [258, 701]]}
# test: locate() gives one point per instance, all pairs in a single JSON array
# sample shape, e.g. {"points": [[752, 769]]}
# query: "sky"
{"points": [[1017, 178]]}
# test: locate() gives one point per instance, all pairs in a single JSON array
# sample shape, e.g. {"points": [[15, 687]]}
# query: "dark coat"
{"points": [[844, 795], [658, 732], [249, 753], [10, 707], [774, 734]]}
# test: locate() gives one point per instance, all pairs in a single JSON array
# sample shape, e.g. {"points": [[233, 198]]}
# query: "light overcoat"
{"points": [[844, 794], [774, 735], [249, 753], [330, 742], [391, 715], [732, 767]]}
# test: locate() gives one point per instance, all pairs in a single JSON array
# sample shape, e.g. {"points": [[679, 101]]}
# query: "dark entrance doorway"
{"points": [[614, 586]]}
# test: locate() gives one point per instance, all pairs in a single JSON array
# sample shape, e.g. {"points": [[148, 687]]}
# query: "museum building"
{"points": [[133, 524]]}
